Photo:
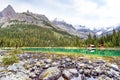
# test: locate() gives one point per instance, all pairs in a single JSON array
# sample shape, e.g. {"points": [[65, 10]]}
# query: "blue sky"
{"points": [[91, 13]]}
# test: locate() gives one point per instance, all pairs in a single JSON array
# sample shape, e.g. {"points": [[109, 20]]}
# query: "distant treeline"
{"points": [[108, 40], [23, 35]]}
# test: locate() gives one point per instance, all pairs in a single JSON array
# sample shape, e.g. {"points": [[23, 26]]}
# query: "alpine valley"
{"points": [[36, 30]]}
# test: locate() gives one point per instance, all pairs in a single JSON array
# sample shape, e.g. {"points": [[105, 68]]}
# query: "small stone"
{"points": [[94, 73], [83, 77], [16, 67], [91, 78], [37, 71], [98, 70], [81, 65], [32, 75], [61, 78], [46, 66], [17, 76], [90, 67], [68, 59], [77, 78], [115, 67], [115, 73], [99, 61], [74, 72], [12, 68], [81, 71], [48, 61], [104, 77], [55, 64], [87, 72], [38, 63], [67, 75], [21, 63], [63, 62], [2, 69]]}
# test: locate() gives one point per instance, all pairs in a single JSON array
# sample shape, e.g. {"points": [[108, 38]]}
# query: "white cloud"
{"points": [[3, 4], [93, 13]]}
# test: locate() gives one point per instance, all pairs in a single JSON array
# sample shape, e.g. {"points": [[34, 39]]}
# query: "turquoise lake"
{"points": [[104, 52]]}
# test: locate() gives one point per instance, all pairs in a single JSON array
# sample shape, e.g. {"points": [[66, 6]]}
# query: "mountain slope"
{"points": [[81, 32], [8, 12], [34, 36], [63, 25], [31, 30], [106, 31], [8, 16]]}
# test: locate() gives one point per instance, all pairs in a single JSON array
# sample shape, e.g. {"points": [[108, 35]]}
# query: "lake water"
{"points": [[104, 52]]}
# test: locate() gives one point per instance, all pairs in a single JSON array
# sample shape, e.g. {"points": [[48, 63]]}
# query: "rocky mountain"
{"points": [[84, 29], [8, 16], [65, 26], [80, 31], [8, 12], [108, 30], [62, 24]]}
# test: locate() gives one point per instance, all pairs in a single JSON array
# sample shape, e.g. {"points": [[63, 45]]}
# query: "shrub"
{"points": [[8, 60], [16, 51]]}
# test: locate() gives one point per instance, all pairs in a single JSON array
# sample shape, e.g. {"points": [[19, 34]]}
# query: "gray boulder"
{"points": [[70, 73], [52, 73]]}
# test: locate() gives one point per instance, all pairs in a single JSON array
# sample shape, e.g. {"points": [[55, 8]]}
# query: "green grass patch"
{"points": [[8, 60]]}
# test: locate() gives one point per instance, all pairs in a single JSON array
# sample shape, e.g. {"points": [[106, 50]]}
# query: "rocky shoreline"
{"points": [[45, 66]]}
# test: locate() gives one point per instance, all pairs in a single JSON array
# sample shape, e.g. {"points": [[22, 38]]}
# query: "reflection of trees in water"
{"points": [[102, 52]]}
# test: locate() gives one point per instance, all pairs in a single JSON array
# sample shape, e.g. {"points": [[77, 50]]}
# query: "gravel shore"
{"points": [[46, 66]]}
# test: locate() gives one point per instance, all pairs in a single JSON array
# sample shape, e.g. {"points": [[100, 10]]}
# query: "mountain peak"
{"points": [[62, 24], [9, 6], [8, 12], [59, 19]]}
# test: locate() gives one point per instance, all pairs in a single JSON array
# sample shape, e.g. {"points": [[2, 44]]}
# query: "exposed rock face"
{"points": [[8, 16], [63, 25], [8, 12], [31, 18], [82, 33], [1, 15]]}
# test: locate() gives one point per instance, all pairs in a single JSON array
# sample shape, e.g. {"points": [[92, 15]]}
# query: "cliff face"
{"points": [[8, 12], [8, 16]]}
